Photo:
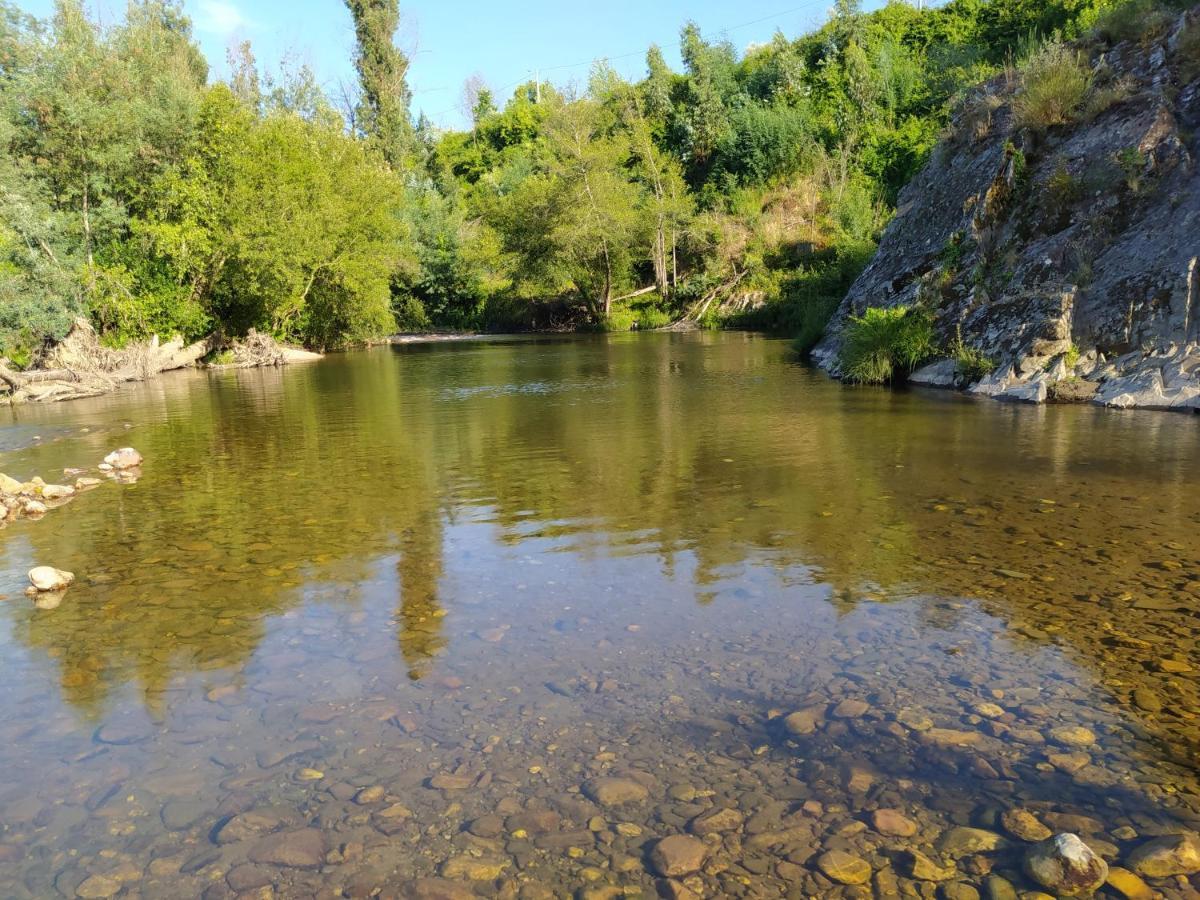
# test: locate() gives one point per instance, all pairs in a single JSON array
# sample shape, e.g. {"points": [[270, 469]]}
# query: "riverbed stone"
{"points": [[922, 868], [851, 708], [803, 721], [614, 791], [450, 781], [98, 887], [997, 887], [1073, 735], [303, 848], [1065, 865], [439, 889], [1128, 884], [961, 841], [369, 795], [1024, 825], [716, 821], [475, 868], [844, 868], [959, 890], [679, 854], [254, 823], [1172, 854], [893, 823]]}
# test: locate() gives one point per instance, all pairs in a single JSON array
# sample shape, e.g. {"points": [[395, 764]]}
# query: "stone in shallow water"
{"points": [[301, 849], [97, 887], [180, 814], [254, 823], [961, 841], [611, 791], [1128, 885], [843, 867], [48, 578], [1024, 825], [851, 708], [439, 889], [1065, 865], [923, 868], [125, 458], [475, 868], [447, 781], [999, 888], [368, 795], [892, 822], [960, 890], [1147, 700], [716, 821], [804, 721], [679, 854], [950, 737], [1073, 735], [1173, 854]]}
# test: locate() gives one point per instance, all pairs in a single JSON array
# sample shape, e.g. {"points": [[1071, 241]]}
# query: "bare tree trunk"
{"points": [[607, 280]]}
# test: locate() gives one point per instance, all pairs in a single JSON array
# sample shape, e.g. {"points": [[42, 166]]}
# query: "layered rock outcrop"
{"points": [[1067, 257]]}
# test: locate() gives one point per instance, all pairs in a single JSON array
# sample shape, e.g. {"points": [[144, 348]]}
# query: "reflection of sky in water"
{"points": [[314, 555]]}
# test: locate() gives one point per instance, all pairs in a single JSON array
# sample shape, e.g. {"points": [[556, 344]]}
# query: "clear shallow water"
{"points": [[477, 577]]}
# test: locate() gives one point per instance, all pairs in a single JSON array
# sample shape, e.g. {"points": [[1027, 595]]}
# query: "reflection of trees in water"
{"points": [[419, 619], [699, 445]]}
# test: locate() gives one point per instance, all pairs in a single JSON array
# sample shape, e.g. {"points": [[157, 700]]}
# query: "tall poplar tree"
{"points": [[382, 69]]}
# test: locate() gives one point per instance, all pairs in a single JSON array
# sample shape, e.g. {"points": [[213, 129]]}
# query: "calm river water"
{"points": [[492, 618]]}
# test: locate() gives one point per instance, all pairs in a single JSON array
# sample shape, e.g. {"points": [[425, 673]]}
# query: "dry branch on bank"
{"points": [[79, 366]]}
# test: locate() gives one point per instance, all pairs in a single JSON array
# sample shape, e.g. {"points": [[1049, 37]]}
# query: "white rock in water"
{"points": [[125, 458], [48, 578], [34, 508], [1065, 865], [57, 491]]}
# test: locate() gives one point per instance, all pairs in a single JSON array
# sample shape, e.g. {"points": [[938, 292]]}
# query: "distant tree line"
{"points": [[137, 192]]}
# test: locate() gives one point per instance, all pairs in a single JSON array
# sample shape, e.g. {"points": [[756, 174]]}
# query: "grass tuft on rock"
{"points": [[882, 345], [1054, 85]]}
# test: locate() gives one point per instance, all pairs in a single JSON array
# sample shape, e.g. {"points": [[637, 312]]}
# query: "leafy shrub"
{"points": [[1053, 88], [884, 344]]}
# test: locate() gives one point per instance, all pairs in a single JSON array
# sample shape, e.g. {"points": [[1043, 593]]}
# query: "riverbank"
{"points": [[80, 366]]}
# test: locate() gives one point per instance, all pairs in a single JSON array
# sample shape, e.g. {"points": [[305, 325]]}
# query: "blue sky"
{"points": [[502, 42]]}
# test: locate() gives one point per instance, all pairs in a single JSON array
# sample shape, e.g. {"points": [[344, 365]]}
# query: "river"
{"points": [[494, 617]]}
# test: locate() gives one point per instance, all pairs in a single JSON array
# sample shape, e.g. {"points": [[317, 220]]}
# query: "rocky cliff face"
{"points": [[1069, 257]]}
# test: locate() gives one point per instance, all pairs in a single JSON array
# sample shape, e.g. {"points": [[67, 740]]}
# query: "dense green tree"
{"points": [[382, 70]]}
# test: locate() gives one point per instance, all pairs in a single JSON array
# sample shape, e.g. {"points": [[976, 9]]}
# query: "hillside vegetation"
{"points": [[749, 188]]}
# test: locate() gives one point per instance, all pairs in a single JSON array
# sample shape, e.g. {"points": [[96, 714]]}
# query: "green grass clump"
{"points": [[970, 363], [882, 345], [1054, 84]]}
